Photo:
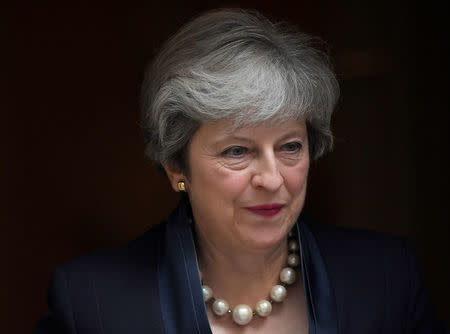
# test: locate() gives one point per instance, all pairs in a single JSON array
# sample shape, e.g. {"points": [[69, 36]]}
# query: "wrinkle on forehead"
{"points": [[224, 129]]}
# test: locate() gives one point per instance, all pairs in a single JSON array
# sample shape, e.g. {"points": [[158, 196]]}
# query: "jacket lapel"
{"points": [[180, 292], [318, 290]]}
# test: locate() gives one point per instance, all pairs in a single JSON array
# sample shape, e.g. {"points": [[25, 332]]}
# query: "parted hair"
{"points": [[235, 64]]}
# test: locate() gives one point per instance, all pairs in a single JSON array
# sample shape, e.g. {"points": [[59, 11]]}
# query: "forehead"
{"points": [[222, 130]]}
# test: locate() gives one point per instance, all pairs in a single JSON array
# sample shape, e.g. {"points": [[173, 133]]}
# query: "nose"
{"points": [[267, 174]]}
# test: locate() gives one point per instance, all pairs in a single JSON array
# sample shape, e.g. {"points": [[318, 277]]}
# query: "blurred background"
{"points": [[73, 176]]}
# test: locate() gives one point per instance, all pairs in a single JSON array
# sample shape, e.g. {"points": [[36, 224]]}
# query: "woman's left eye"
{"points": [[291, 147]]}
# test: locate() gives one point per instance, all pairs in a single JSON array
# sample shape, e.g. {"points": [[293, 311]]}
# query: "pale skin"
{"points": [[240, 252]]}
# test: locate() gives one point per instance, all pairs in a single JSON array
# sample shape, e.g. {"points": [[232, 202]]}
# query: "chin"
{"points": [[263, 238]]}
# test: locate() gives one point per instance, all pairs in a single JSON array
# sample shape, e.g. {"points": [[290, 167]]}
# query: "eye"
{"points": [[291, 147], [235, 151]]}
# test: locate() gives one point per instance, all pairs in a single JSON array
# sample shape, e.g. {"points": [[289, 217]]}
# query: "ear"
{"points": [[174, 176]]}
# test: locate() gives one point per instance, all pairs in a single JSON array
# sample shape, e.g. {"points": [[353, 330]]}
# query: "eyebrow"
{"points": [[294, 133]]}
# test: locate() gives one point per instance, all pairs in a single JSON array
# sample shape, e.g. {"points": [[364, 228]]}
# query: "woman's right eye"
{"points": [[235, 151]]}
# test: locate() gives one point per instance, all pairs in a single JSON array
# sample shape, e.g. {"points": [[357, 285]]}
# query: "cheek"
{"points": [[296, 179], [231, 185], [220, 183]]}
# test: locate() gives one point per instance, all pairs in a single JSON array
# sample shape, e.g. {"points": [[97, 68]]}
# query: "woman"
{"points": [[234, 110]]}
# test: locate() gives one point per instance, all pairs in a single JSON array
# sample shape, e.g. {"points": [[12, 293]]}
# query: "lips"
{"points": [[267, 210]]}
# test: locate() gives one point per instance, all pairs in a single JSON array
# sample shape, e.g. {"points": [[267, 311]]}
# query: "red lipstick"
{"points": [[267, 210]]}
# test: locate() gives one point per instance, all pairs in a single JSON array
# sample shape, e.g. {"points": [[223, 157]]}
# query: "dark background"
{"points": [[72, 170]]}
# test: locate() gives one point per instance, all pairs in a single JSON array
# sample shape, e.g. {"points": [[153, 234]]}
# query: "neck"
{"points": [[238, 275]]}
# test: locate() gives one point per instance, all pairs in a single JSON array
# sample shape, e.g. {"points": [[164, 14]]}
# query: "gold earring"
{"points": [[181, 186]]}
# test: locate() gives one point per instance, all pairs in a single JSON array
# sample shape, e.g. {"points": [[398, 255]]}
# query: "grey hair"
{"points": [[236, 65]]}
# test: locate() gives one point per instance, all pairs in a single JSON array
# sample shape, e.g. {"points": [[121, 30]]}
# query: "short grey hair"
{"points": [[236, 65]]}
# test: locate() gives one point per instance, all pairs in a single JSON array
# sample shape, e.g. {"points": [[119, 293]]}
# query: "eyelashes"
{"points": [[235, 151], [292, 147]]}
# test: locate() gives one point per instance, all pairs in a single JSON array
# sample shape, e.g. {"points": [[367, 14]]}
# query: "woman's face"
{"points": [[247, 187]]}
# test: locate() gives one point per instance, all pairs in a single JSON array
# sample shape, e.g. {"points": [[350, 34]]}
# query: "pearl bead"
{"points": [[287, 275], [242, 314], [293, 246], [220, 307], [293, 260], [207, 293], [278, 293], [263, 308]]}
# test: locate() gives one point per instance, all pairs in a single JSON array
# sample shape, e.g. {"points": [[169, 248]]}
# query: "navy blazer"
{"points": [[355, 282]]}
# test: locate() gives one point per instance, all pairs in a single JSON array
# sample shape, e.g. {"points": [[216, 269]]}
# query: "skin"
{"points": [[241, 252]]}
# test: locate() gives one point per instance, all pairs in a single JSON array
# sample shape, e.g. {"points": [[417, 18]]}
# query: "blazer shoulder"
{"points": [[366, 256], [143, 250], [376, 276], [352, 238], [101, 289]]}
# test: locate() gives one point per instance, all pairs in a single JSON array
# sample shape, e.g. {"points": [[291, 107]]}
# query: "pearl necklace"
{"points": [[242, 313]]}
